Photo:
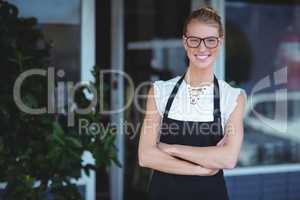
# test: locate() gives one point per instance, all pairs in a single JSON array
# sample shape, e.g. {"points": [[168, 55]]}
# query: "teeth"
{"points": [[202, 57]]}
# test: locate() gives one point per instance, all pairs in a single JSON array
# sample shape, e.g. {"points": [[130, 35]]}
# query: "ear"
{"points": [[221, 41]]}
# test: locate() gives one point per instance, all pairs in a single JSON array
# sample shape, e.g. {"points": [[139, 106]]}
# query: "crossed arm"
{"points": [[222, 156], [208, 160]]}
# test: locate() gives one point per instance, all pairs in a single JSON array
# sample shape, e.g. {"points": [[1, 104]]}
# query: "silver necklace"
{"points": [[195, 93]]}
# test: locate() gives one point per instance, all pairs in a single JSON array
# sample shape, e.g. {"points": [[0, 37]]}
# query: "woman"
{"points": [[193, 127]]}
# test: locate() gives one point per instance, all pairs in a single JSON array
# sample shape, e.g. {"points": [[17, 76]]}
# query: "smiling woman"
{"points": [[188, 143], [202, 25]]}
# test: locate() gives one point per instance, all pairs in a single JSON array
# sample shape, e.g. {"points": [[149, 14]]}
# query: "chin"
{"points": [[204, 65]]}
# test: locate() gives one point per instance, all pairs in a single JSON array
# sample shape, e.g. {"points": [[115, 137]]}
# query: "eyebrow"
{"points": [[201, 37]]}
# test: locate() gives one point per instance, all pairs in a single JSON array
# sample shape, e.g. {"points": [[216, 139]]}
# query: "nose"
{"points": [[202, 46]]}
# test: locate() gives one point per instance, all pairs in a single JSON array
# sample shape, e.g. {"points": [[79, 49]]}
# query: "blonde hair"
{"points": [[206, 15]]}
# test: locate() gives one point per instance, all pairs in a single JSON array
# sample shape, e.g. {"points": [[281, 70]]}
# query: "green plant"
{"points": [[39, 153]]}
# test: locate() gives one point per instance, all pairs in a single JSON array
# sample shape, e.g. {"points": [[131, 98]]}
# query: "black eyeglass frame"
{"points": [[202, 39]]}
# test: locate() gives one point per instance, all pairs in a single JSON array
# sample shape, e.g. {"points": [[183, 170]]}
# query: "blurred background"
{"points": [[143, 38]]}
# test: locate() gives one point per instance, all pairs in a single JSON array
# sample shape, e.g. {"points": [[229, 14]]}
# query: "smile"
{"points": [[201, 57]]}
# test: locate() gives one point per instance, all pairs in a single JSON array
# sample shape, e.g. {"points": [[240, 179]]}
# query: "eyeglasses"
{"points": [[209, 42]]}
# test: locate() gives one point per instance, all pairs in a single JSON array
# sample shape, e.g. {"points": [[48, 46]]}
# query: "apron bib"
{"points": [[164, 186]]}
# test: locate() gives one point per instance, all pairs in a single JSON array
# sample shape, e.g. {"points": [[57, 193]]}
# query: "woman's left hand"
{"points": [[223, 141]]}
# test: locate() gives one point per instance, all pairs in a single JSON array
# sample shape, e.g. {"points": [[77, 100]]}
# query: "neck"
{"points": [[198, 77]]}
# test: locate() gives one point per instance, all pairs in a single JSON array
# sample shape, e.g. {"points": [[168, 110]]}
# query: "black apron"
{"points": [[164, 186]]}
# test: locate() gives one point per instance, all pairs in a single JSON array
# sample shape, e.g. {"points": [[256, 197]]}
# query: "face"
{"points": [[202, 57]]}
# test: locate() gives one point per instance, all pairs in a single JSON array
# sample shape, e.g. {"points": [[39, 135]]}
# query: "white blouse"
{"points": [[181, 109]]}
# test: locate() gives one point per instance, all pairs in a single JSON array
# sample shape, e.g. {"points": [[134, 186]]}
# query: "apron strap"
{"points": [[217, 110], [172, 96]]}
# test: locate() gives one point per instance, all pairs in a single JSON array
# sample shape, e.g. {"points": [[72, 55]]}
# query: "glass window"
{"points": [[263, 56], [60, 23]]}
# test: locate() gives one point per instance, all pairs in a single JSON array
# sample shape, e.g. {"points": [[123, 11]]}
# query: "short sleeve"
{"points": [[231, 101], [157, 87]]}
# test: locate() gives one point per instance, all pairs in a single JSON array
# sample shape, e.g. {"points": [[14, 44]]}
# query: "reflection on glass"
{"points": [[65, 40], [263, 56], [60, 23]]}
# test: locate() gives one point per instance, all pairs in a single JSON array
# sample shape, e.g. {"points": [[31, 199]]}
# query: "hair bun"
{"points": [[205, 14], [209, 9]]}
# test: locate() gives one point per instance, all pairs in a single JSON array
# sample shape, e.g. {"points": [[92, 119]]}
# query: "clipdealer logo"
{"points": [[52, 96], [279, 97]]}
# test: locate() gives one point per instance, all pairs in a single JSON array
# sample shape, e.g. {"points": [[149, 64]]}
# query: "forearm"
{"points": [[222, 156], [156, 159], [214, 157]]}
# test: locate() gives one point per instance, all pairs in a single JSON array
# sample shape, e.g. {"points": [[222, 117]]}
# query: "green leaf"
{"points": [[87, 168], [57, 129], [74, 142], [58, 139]]}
